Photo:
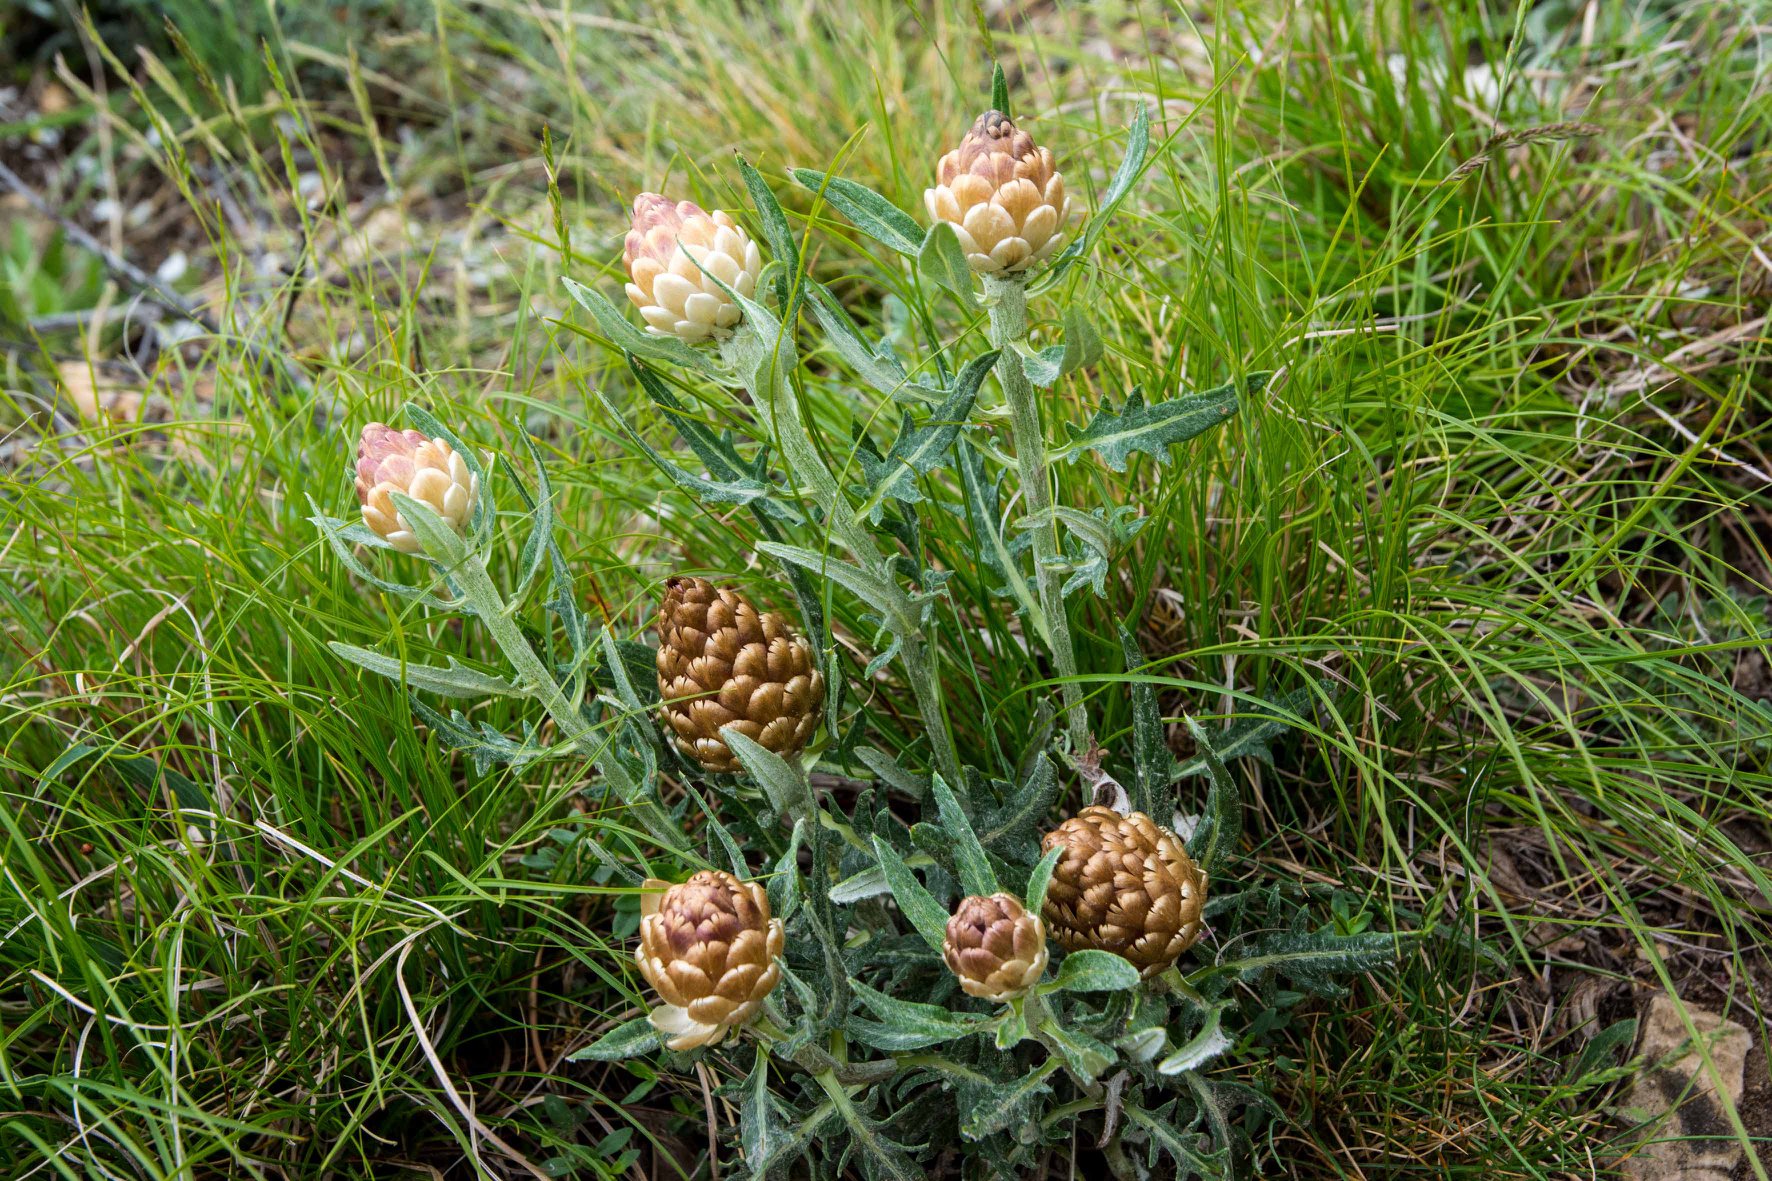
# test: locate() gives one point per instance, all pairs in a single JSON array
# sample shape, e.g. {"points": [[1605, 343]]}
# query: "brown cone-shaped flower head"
{"points": [[1123, 884], [428, 470], [710, 950], [995, 946], [676, 297], [721, 662], [1002, 195]]}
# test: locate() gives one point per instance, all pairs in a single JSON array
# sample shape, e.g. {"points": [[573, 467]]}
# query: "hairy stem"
{"points": [[469, 574], [477, 588], [1007, 301], [780, 411]]}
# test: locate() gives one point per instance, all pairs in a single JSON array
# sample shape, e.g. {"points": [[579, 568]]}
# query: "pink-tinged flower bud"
{"points": [[712, 953], [425, 469], [995, 947], [677, 297], [1002, 195]]}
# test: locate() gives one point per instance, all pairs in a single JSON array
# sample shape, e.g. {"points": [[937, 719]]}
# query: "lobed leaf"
{"points": [[1136, 427], [452, 680]]}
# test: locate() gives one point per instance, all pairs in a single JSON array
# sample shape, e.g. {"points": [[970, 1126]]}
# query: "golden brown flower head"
{"points": [[721, 662], [674, 295], [995, 947], [1002, 195], [710, 950], [1123, 884], [428, 470]]}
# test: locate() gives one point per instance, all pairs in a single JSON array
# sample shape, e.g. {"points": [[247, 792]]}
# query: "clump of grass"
{"points": [[1502, 509]]}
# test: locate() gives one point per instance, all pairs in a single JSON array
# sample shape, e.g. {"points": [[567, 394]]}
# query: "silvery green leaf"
{"points": [[1040, 365], [923, 911], [1138, 138], [976, 876], [875, 366], [1136, 427], [997, 1108], [888, 771], [436, 538], [453, 680], [1200, 1049], [1314, 958], [705, 489], [1082, 343], [1150, 748], [869, 883], [883, 657], [999, 89], [628, 338], [1249, 736], [1142, 1045], [615, 666], [1020, 817], [942, 261], [1012, 1027], [1086, 1057], [487, 746], [1082, 346], [776, 232], [1221, 821], [1094, 971], [1041, 877], [784, 883], [341, 535], [911, 1025], [783, 783], [539, 545], [630, 1039], [874, 591], [1093, 540], [1189, 1151], [997, 555], [919, 449], [871, 213]]}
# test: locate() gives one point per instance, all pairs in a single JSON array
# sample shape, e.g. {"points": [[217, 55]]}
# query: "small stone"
{"points": [[1695, 1140]]}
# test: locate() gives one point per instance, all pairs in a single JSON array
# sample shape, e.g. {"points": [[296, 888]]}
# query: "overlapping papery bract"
{"points": [[1126, 885], [721, 662], [995, 946], [427, 470], [711, 951], [1001, 193], [677, 297]]}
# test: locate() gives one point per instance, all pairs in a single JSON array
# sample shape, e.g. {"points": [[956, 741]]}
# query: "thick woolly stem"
{"points": [[778, 408], [1007, 300]]}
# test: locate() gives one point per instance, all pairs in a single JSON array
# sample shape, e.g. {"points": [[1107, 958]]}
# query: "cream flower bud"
{"points": [[1002, 195], [995, 947], [677, 297], [427, 470], [712, 953]]}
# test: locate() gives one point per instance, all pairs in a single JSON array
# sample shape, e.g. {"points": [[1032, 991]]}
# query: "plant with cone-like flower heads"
{"points": [[906, 955]]}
